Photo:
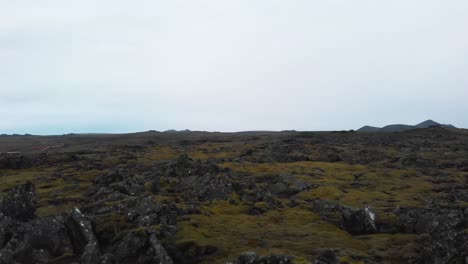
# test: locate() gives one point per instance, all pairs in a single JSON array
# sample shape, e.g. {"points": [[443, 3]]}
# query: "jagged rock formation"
{"points": [[253, 258], [359, 222], [66, 238], [446, 240], [20, 204]]}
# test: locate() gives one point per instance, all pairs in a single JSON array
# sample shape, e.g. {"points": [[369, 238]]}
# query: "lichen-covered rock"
{"points": [[20, 203], [140, 247], [285, 185], [446, 240], [157, 250], [327, 256], [128, 186], [253, 258], [108, 258], [15, 162], [205, 187], [203, 181], [184, 166], [82, 237], [328, 211], [359, 222], [114, 175], [147, 212], [37, 241], [119, 180]]}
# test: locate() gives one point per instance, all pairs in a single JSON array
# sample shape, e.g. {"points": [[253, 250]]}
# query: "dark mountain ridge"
{"points": [[403, 127]]}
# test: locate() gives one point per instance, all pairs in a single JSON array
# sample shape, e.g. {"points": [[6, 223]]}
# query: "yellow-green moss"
{"points": [[391, 247], [291, 231], [112, 224]]}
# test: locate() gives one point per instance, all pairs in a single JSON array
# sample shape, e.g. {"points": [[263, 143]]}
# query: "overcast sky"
{"points": [[123, 66]]}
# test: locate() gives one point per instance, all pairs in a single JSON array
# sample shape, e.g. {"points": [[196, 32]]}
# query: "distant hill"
{"points": [[403, 127], [177, 131], [396, 128], [368, 129]]}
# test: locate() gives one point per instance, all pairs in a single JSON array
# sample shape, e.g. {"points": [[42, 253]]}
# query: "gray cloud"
{"points": [[115, 66]]}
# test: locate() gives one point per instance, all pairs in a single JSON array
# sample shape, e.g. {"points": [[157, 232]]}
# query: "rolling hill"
{"points": [[403, 127]]}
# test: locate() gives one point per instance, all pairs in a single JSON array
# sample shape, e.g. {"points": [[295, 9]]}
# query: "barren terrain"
{"points": [[253, 197]]}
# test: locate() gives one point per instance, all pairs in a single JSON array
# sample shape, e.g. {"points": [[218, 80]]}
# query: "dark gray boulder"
{"points": [[327, 256], [82, 237], [26, 239], [203, 181], [444, 233], [140, 247], [205, 187], [359, 222], [16, 162], [108, 258], [114, 175], [20, 203], [128, 186], [286, 185], [157, 250], [253, 258], [185, 166], [37, 241], [190, 252], [146, 212]]}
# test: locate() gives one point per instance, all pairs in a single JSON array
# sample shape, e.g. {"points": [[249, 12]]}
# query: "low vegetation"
{"points": [[213, 197]]}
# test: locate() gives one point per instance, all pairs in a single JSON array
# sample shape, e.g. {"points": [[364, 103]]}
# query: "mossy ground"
{"points": [[298, 231], [290, 231], [227, 225], [56, 194]]}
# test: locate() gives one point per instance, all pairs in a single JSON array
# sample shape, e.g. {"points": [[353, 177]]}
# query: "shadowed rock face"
{"points": [[199, 180], [37, 241], [253, 258], [82, 237], [15, 163], [446, 240], [327, 256], [65, 238], [20, 204], [359, 222], [140, 247]]}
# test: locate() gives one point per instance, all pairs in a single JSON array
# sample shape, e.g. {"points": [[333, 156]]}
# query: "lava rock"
{"points": [[185, 166], [190, 252], [253, 258], [141, 248], [157, 250], [146, 212], [205, 188], [114, 175], [82, 237], [445, 239], [359, 222], [128, 186], [327, 256], [199, 180], [285, 185], [37, 241], [20, 203], [16, 162]]}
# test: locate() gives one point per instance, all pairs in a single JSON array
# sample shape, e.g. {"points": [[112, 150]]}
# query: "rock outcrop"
{"points": [[446, 238], [20, 203], [70, 238], [253, 258], [359, 222]]}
